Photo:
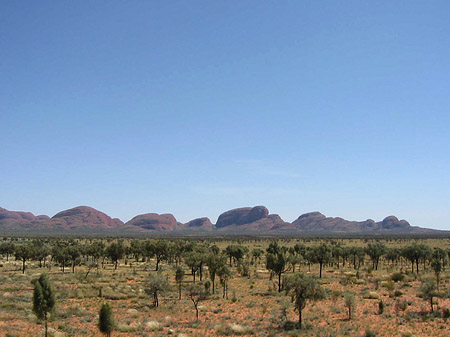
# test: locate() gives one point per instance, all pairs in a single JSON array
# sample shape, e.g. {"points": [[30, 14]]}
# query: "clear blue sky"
{"points": [[195, 108]]}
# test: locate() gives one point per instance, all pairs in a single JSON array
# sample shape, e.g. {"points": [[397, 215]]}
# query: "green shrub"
{"points": [[398, 293], [397, 277]]}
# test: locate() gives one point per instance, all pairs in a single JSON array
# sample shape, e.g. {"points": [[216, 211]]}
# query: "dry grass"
{"points": [[254, 307]]}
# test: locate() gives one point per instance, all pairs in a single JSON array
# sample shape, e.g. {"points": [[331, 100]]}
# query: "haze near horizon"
{"points": [[195, 109]]}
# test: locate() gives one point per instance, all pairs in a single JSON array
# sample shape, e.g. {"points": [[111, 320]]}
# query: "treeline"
{"points": [[207, 264], [69, 253]]}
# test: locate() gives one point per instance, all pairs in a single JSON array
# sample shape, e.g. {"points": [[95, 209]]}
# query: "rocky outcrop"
{"points": [[246, 220], [82, 217], [199, 224], [316, 222], [249, 219], [154, 222], [12, 216], [11, 220], [392, 222], [242, 216]]}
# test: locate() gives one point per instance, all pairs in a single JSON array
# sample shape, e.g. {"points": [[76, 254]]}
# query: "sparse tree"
{"points": [[74, 253], [428, 290], [197, 292], [96, 250], [441, 254], [61, 255], [415, 253], [350, 303], [235, 252], [375, 251], [224, 274], [43, 299], [136, 249], [157, 284], [7, 248], [24, 253], [436, 264], [214, 263], [40, 252], [106, 320], [193, 260], [179, 276], [321, 255], [294, 259], [115, 252], [276, 261], [256, 255], [303, 289], [159, 249]]}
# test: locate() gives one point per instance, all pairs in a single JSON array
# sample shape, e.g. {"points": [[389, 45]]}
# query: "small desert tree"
{"points": [[179, 276], [106, 320], [276, 261], [159, 249], [350, 303], [429, 292], [303, 289], [193, 260], [321, 255], [24, 253], [214, 262], [157, 284], [235, 252], [375, 251], [256, 255], [197, 292], [436, 264], [115, 252], [74, 253], [7, 248], [60, 254], [224, 274], [43, 299]]}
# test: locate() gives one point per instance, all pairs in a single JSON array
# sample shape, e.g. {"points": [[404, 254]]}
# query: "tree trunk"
{"points": [[279, 282], [320, 270], [179, 291], [299, 319], [45, 322], [23, 266], [155, 299]]}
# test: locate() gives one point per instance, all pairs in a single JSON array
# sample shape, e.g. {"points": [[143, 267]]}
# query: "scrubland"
{"points": [[388, 300]]}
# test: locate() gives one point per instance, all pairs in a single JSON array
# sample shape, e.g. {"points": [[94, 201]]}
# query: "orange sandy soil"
{"points": [[256, 310]]}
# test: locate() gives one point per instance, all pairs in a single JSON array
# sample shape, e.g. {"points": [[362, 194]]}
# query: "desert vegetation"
{"points": [[221, 287]]}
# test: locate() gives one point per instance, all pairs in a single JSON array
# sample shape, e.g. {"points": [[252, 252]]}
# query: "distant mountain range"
{"points": [[247, 220]]}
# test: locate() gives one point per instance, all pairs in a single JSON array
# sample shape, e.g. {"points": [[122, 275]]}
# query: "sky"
{"points": [[195, 108]]}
